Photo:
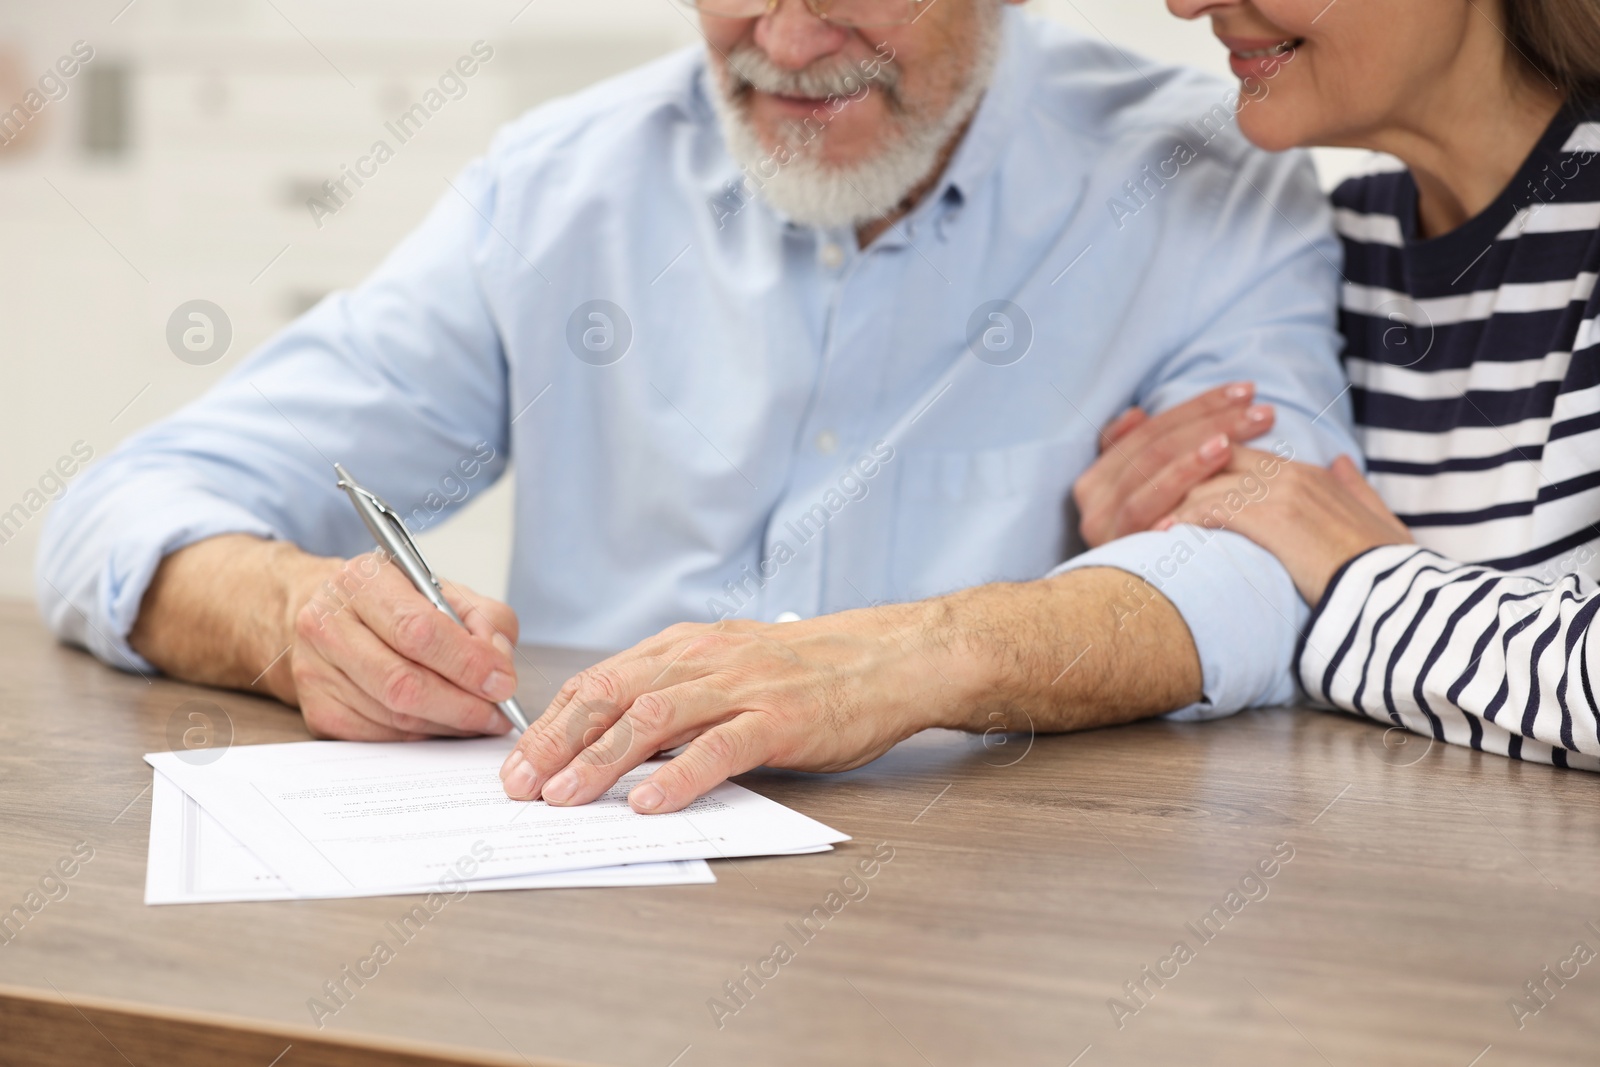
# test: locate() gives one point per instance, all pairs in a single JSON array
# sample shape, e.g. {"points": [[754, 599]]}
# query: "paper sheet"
{"points": [[350, 818], [194, 860]]}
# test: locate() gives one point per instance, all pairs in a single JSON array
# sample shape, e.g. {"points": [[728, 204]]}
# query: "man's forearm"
{"points": [[221, 612], [1079, 650]]}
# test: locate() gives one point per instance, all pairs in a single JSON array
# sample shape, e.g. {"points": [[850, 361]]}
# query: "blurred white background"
{"points": [[178, 164]]}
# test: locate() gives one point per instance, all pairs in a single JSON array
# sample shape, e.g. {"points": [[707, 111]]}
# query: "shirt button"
{"points": [[827, 442], [832, 256], [787, 616]]}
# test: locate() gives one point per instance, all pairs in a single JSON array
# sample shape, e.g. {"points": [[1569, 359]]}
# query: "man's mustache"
{"points": [[750, 68]]}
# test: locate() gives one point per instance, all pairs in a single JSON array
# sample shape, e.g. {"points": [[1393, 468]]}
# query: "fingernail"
{"points": [[1215, 447], [498, 686], [561, 787], [503, 643], [1163, 525], [647, 797], [1258, 413], [1237, 391], [518, 776]]}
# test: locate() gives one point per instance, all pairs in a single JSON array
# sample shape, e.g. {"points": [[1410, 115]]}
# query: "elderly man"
{"points": [[799, 342]]}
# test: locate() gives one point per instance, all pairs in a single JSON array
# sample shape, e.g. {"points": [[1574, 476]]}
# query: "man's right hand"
{"points": [[350, 642], [372, 660], [1149, 463]]}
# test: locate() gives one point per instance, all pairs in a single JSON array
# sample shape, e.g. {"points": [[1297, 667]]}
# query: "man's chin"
{"points": [[802, 123], [851, 168], [829, 159]]}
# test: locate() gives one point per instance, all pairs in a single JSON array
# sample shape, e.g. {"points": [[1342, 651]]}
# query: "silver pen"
{"points": [[395, 541]]}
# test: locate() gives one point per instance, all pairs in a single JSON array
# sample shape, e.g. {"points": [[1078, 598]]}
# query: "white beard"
{"points": [[816, 193]]}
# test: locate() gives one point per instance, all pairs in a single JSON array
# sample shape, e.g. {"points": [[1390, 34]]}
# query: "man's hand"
{"points": [[351, 642], [1149, 463], [373, 660], [835, 692], [1313, 519], [826, 694]]}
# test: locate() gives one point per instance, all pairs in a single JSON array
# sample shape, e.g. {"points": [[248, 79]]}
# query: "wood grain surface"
{"points": [[1414, 890]]}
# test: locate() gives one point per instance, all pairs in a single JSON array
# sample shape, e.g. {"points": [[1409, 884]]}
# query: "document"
{"points": [[194, 860], [351, 818]]}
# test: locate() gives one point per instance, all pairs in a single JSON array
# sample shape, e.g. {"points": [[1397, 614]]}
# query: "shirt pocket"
{"points": [[963, 518]]}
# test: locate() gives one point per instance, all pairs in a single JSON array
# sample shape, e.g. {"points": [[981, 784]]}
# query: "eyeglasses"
{"points": [[852, 13]]}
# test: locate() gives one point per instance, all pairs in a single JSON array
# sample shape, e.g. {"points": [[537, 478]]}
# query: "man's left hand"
{"points": [[825, 694]]}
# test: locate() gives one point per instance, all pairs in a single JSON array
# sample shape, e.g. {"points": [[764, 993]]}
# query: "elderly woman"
{"points": [[1451, 595]]}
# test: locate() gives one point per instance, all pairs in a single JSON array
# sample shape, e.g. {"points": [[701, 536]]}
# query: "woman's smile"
{"points": [[1259, 57]]}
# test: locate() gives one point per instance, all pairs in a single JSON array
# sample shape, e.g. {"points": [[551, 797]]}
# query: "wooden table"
{"points": [[1029, 882]]}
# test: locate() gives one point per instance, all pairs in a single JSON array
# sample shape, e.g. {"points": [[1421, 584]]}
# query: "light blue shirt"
{"points": [[763, 419]]}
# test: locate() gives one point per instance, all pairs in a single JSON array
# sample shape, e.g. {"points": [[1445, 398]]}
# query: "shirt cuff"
{"points": [[1239, 603], [96, 606], [1342, 605]]}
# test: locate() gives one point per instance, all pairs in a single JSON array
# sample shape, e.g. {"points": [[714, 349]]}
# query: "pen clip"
{"points": [[397, 524]]}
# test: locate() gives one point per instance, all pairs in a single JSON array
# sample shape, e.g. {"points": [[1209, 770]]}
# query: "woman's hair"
{"points": [[1561, 38]]}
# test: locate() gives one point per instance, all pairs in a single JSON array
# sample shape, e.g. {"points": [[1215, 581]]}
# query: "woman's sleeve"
{"points": [[1495, 660]]}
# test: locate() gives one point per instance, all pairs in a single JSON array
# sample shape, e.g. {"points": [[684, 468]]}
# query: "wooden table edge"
{"points": [[38, 1026]]}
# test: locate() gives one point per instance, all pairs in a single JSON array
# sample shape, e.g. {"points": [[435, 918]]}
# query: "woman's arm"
{"points": [[1494, 660]]}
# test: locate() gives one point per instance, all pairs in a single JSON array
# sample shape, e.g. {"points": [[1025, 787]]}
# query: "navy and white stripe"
{"points": [[1474, 361]]}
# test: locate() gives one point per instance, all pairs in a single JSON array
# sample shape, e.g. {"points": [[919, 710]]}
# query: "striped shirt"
{"points": [[1474, 362]]}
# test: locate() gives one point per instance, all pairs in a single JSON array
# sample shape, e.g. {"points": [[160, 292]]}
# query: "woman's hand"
{"points": [[1149, 462], [1313, 520]]}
